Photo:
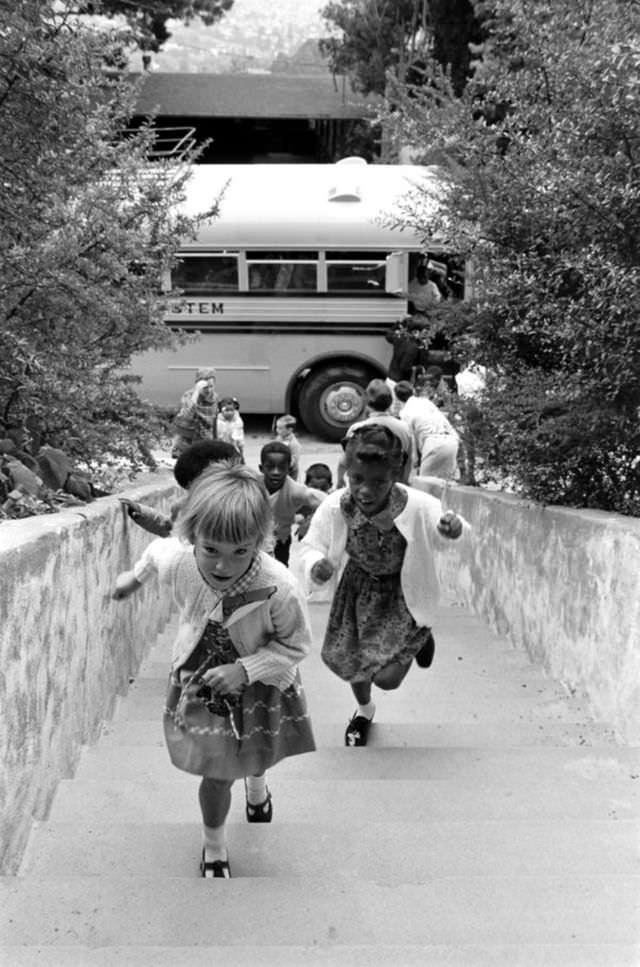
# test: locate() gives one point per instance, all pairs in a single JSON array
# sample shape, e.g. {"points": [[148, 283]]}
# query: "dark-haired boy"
{"points": [[286, 496], [193, 461]]}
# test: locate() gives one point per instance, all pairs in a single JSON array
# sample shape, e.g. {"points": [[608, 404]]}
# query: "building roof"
{"points": [[249, 96]]}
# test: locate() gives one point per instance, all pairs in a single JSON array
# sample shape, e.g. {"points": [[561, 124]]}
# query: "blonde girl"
{"points": [[235, 704]]}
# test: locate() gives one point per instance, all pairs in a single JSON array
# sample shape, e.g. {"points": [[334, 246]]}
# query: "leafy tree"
{"points": [[546, 201], [148, 18], [456, 26], [369, 39], [88, 232]]}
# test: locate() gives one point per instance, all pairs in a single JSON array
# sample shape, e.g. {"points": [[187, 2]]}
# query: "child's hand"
{"points": [[450, 525], [321, 571], [126, 584], [303, 527], [131, 507], [226, 679]]}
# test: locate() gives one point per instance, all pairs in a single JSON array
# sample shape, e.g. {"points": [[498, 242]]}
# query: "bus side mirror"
{"points": [[395, 282]]}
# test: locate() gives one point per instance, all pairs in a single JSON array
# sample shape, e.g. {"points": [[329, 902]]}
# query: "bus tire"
{"points": [[332, 399]]}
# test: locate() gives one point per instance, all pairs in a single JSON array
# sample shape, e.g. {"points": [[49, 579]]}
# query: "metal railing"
{"points": [[173, 142]]}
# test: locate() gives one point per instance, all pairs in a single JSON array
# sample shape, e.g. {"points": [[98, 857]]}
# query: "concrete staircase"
{"points": [[489, 822]]}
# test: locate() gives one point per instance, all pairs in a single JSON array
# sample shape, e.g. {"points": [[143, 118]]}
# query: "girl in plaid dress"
{"points": [[235, 704]]}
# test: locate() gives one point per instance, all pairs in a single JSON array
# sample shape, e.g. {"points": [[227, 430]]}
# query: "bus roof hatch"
{"points": [[346, 186]]}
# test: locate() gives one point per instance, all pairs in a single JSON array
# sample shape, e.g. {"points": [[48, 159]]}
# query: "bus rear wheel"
{"points": [[332, 399]]}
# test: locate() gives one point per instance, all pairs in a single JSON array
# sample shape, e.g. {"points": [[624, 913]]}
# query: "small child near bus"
{"points": [[318, 476], [286, 496], [189, 465], [377, 538], [230, 425], [196, 418], [235, 704], [283, 428]]}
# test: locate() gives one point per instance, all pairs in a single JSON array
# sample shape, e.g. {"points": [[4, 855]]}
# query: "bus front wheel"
{"points": [[332, 399]]}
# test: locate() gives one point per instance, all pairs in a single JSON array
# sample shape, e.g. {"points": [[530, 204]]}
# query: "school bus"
{"points": [[292, 287]]}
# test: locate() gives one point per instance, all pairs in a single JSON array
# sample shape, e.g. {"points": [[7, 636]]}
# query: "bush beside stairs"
{"points": [[489, 822]]}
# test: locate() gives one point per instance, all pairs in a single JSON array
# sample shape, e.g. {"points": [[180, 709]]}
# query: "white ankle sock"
{"points": [[256, 789], [214, 839], [368, 710]]}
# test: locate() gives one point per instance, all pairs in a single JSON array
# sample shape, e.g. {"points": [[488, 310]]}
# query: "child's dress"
{"points": [[231, 431], [260, 621], [385, 582], [369, 624]]}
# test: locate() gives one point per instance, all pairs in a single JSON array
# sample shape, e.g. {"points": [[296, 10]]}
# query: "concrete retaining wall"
{"points": [[563, 584], [67, 650]]}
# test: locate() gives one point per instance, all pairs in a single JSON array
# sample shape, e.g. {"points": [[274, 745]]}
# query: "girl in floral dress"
{"points": [[376, 539]]}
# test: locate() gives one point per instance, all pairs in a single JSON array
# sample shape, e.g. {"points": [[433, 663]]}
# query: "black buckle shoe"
{"points": [[261, 812], [424, 657], [217, 869], [357, 731]]}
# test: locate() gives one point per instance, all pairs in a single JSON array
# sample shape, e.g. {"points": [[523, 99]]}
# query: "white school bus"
{"points": [[293, 286]]}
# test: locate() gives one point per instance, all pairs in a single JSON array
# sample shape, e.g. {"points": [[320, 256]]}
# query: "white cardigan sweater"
{"points": [[271, 636], [418, 524]]}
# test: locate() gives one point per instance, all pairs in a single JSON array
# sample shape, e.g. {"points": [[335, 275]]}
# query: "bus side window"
{"points": [[305, 278], [255, 278], [283, 277], [206, 275], [357, 277], [296, 277]]}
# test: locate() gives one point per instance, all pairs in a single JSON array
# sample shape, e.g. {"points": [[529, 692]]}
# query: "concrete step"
{"points": [[458, 632], [330, 733], [480, 665], [469, 764], [175, 912], [467, 683], [328, 954], [426, 702], [476, 680], [322, 684], [460, 636], [334, 801], [381, 852]]}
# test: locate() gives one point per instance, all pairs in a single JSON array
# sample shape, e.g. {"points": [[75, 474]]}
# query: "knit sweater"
{"points": [[418, 524], [271, 636]]}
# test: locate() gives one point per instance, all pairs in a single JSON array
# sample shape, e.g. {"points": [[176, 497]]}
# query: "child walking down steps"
{"points": [[377, 537], [235, 704]]}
